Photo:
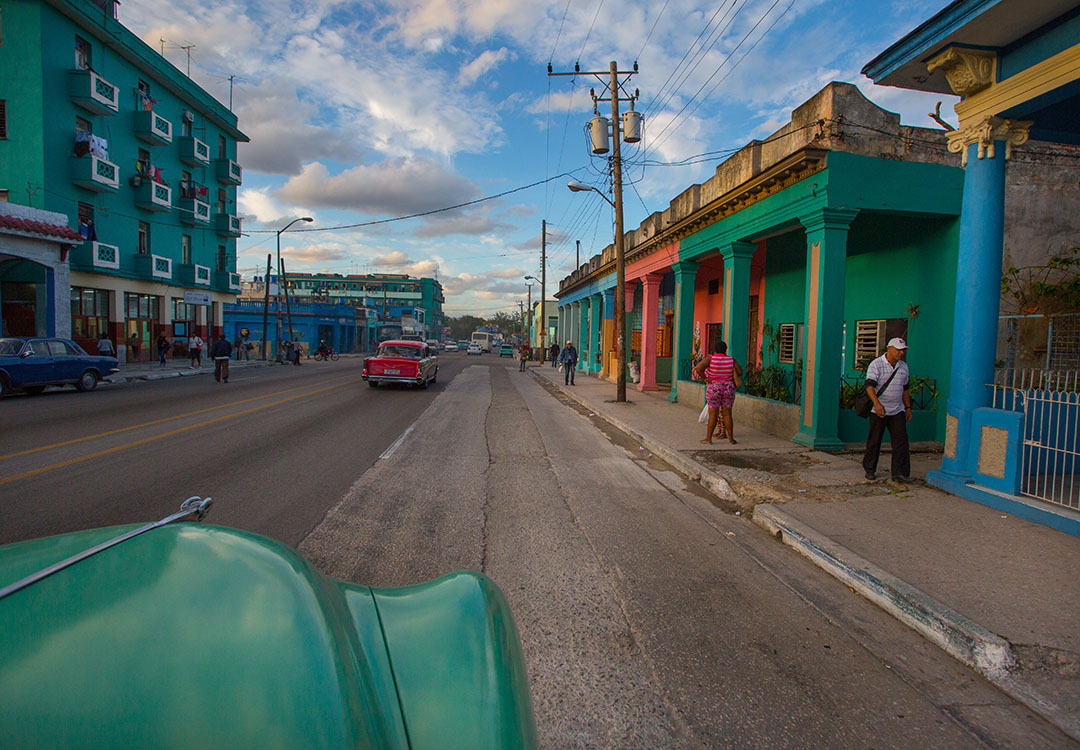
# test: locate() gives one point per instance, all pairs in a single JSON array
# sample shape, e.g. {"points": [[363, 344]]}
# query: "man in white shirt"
{"points": [[887, 387]]}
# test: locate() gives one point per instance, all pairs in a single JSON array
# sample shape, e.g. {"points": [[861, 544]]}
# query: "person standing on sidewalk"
{"points": [[238, 348], [195, 345], [554, 355], [105, 345], [162, 349], [524, 353], [568, 359], [887, 386], [719, 373], [221, 351], [133, 344]]}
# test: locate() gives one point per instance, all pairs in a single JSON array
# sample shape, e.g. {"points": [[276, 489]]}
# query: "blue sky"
{"points": [[366, 111]]}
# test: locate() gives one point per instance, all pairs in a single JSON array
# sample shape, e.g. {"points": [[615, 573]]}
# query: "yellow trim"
{"points": [[1051, 73]]}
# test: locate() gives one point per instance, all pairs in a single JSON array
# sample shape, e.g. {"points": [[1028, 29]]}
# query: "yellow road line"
{"points": [[150, 424], [70, 461]]}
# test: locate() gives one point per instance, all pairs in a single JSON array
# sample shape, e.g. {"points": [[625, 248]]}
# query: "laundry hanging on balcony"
{"points": [[88, 143]]}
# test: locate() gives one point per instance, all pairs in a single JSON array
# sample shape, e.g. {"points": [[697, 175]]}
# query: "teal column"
{"points": [[685, 275], [737, 257], [826, 265], [596, 308], [583, 335]]}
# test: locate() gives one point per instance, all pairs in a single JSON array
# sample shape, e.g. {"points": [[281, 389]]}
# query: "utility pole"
{"points": [[288, 307], [529, 313], [599, 133], [266, 304], [543, 290], [577, 256]]}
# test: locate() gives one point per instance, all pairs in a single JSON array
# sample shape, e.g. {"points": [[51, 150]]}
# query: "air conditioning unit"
{"points": [[187, 116]]}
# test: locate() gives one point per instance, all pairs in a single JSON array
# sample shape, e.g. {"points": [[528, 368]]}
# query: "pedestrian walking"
{"points": [[163, 347], [721, 373], [195, 346], [221, 351], [133, 345], [239, 350], [887, 386], [524, 354], [568, 359], [298, 351], [554, 353], [105, 345]]}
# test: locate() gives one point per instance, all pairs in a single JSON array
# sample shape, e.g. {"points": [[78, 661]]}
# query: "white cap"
{"points": [[898, 343]]}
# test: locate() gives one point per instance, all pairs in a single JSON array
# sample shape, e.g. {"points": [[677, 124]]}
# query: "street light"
{"points": [[528, 327], [281, 280], [581, 187], [543, 322]]}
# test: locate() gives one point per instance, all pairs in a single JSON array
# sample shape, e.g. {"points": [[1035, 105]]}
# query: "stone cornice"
{"points": [[782, 175], [967, 70]]}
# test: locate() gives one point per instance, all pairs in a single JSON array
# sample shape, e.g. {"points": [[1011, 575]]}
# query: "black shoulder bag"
{"points": [[863, 404]]}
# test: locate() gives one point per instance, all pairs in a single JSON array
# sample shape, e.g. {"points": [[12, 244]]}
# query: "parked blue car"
{"points": [[30, 364]]}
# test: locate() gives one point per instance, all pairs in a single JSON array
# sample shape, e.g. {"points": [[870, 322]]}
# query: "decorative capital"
{"points": [[828, 218], [742, 250], [967, 70], [985, 133]]}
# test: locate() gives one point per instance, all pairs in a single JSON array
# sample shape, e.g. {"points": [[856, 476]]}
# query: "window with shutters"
{"points": [[185, 249], [872, 338], [82, 53], [787, 344], [3, 119]]}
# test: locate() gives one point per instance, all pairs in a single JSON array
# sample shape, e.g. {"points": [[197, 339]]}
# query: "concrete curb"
{"points": [[692, 469], [170, 373]]}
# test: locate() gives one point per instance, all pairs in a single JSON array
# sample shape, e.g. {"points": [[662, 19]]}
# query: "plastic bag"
{"points": [[704, 416], [560, 368]]}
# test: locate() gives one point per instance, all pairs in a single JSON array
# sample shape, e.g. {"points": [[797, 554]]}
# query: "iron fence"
{"points": [[1050, 401], [775, 383], [923, 391]]}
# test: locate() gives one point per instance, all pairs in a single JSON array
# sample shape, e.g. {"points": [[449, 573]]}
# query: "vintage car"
{"points": [[29, 364], [402, 361], [505, 350], [183, 635]]}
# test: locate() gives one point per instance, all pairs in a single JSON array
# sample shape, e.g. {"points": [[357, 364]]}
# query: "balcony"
{"points": [[95, 173], [227, 225], [228, 172], [190, 274], [194, 152], [194, 210], [153, 196], [93, 93], [153, 266], [104, 256], [227, 281], [153, 128]]}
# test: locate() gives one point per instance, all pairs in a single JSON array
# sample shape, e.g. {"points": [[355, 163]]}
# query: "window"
{"points": [[143, 163], [82, 53], [787, 344], [86, 222], [221, 145], [141, 306], [3, 119], [222, 199], [714, 286], [222, 258], [3, 196], [185, 249], [83, 126], [872, 338], [144, 238], [186, 121], [61, 349], [89, 312], [146, 102]]}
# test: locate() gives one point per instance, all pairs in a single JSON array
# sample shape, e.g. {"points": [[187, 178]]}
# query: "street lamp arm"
{"points": [[302, 218], [581, 187]]}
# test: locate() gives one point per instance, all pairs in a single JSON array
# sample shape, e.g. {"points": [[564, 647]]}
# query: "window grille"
{"points": [[869, 341], [3, 119], [787, 343]]}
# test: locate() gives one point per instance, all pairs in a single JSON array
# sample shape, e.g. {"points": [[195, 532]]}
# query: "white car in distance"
{"points": [[474, 349]]}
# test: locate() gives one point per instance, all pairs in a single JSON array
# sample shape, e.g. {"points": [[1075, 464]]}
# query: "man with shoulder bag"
{"points": [[887, 402]]}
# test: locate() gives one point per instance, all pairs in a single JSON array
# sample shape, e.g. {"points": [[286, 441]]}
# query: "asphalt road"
{"points": [[649, 615], [275, 447]]}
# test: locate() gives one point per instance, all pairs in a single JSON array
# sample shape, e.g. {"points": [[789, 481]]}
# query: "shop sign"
{"points": [[197, 298]]}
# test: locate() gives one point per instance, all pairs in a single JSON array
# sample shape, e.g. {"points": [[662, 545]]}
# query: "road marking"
{"points": [[149, 424], [397, 443], [143, 441]]}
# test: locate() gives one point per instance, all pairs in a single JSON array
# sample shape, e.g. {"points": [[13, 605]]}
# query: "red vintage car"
{"points": [[399, 361]]}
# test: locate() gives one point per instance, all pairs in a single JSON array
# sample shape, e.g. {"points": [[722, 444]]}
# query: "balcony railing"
{"points": [[229, 172], [202, 275], [95, 173], [234, 282], [193, 212], [153, 266], [153, 196], [227, 225], [93, 93], [104, 256], [193, 151], [153, 128]]}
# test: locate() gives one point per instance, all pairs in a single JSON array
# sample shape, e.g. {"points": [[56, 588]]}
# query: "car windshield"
{"points": [[10, 346], [394, 350]]}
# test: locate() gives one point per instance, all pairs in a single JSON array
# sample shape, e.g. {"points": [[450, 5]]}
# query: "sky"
{"points": [[361, 112]]}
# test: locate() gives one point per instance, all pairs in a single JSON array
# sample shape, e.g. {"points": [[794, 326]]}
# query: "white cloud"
{"points": [[319, 252], [483, 63], [396, 258]]}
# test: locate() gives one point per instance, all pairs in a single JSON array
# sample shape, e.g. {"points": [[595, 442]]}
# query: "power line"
{"points": [[559, 34], [591, 25], [655, 21]]}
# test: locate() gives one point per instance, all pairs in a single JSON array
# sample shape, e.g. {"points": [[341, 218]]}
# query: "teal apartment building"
{"points": [[97, 126]]}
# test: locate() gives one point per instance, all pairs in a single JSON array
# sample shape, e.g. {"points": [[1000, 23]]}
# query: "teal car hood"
{"points": [[202, 636]]}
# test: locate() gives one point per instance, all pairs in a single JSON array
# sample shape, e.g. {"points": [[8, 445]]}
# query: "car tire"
{"points": [[87, 382], [5, 389], [424, 384], [33, 390], [435, 377]]}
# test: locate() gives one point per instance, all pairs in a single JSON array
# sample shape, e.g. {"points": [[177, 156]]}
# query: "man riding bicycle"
{"points": [[323, 348]]}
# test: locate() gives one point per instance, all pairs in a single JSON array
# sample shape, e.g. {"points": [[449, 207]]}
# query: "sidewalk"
{"points": [[177, 368], [996, 592]]}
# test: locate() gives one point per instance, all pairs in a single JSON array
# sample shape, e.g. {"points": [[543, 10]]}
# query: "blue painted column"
{"points": [[978, 291], [737, 257], [826, 270], [685, 275], [583, 342], [596, 310]]}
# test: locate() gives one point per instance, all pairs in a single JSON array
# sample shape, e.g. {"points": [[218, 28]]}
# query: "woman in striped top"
{"points": [[719, 373]]}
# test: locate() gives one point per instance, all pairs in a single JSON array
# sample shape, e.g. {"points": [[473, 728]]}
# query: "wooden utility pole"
{"points": [[543, 289], [620, 258], [266, 303], [288, 307]]}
